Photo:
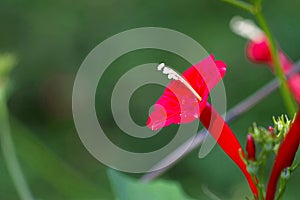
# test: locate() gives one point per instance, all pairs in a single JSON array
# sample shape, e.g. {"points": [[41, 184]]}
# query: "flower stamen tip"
{"points": [[172, 74], [160, 66]]}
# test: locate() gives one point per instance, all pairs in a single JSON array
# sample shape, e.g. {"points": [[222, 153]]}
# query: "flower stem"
{"points": [[285, 92], [282, 189], [9, 152], [283, 182], [241, 4], [295, 167]]}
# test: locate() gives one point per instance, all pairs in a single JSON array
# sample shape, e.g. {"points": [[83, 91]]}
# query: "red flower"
{"points": [[250, 148], [285, 156], [178, 104], [259, 51]]}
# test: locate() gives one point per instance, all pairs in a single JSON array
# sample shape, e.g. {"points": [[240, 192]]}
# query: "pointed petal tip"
{"points": [[220, 65], [154, 127]]}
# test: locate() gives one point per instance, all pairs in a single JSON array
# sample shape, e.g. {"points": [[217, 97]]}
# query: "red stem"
{"points": [[285, 156], [224, 136]]}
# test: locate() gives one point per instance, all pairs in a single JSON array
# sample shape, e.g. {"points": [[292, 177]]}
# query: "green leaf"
{"points": [[127, 188]]}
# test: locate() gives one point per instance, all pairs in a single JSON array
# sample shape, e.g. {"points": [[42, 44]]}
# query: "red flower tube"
{"points": [[184, 102], [212, 120], [285, 156]]}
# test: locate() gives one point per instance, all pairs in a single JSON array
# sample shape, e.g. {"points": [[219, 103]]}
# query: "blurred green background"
{"points": [[50, 40]]}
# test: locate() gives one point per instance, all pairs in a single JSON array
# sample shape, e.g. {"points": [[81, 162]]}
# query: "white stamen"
{"points": [[246, 28], [172, 74], [160, 66], [166, 70]]}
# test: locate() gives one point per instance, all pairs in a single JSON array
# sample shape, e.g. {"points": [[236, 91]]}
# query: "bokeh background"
{"points": [[50, 39]]}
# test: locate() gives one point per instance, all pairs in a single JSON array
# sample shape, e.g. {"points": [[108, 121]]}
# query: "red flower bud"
{"points": [[271, 129], [250, 148]]}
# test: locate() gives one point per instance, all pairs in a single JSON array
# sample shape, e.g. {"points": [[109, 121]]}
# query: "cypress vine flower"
{"points": [[185, 99]]}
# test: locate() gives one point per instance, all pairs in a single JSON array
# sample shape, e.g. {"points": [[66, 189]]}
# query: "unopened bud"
{"points": [[250, 148], [271, 129]]}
